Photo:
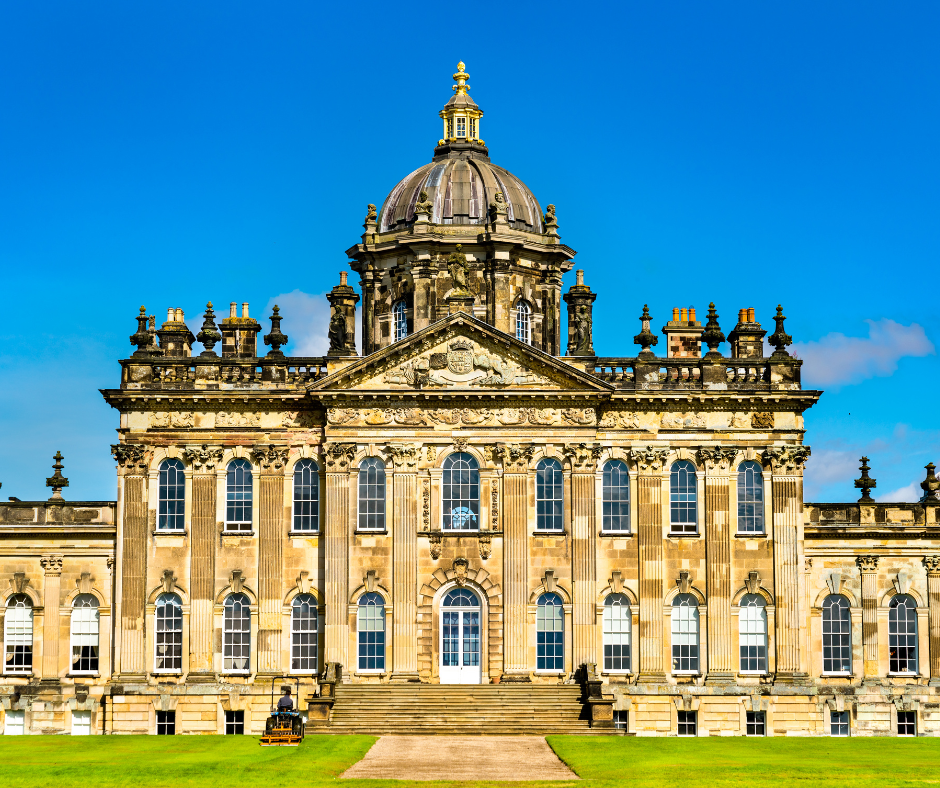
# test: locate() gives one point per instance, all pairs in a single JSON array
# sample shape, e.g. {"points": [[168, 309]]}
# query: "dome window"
{"points": [[524, 322], [400, 319], [450, 128], [461, 127], [473, 128]]}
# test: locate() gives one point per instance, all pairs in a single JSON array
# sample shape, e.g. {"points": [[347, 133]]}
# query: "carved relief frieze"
{"points": [[463, 416], [162, 419], [762, 421], [339, 456], [294, 418], [494, 508], [426, 505], [237, 419], [203, 457], [514, 457], [583, 456], [684, 421], [649, 458], [787, 459], [270, 458], [582, 417], [620, 419], [740, 421]]}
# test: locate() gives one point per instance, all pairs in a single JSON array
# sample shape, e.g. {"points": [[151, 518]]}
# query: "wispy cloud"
{"points": [[307, 322], [910, 493], [838, 360]]}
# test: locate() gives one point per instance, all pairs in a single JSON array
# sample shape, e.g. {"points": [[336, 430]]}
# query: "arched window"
{"points": [[902, 635], [616, 497], [371, 625], [172, 497], [461, 493], [685, 634], [238, 496], [372, 494], [617, 629], [836, 635], [84, 634], [549, 498], [303, 642], [550, 634], [524, 321], [752, 634], [18, 635], [306, 496], [400, 318], [750, 498], [683, 498], [168, 631], [236, 634]]}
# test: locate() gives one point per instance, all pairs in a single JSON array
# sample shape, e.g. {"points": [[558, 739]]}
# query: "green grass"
{"points": [[238, 762]]}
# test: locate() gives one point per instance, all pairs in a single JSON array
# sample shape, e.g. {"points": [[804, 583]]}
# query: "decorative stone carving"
{"points": [[378, 417], [272, 458], [752, 583], [423, 207], [902, 582], [51, 564], [430, 453], [460, 444], [834, 582], [404, 455], [548, 581], [649, 458], [369, 581], [461, 565], [426, 504], [740, 421], [620, 419], [790, 458], [130, 456], [18, 583], [762, 421], [336, 332], [866, 483], [168, 582], [930, 485], [464, 363], [486, 545], [339, 456], [370, 214], [165, 419], [684, 421], [459, 270], [684, 582], [616, 582], [716, 458], [340, 415], [580, 416], [303, 582], [514, 457], [436, 544], [237, 419], [203, 457], [646, 338], [867, 563], [84, 583], [583, 456], [237, 581], [932, 564], [494, 509]]}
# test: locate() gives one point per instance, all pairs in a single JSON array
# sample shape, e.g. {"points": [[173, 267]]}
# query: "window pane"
{"points": [[84, 634], [400, 319], [687, 723], [171, 496], [752, 634], [18, 635], [616, 497], [304, 634], [836, 635], [838, 723], [902, 635], [617, 630], [755, 723], [524, 322], [461, 493], [234, 723], [750, 498], [306, 496], [168, 634], [683, 491], [238, 496], [166, 723], [372, 495], [550, 634], [907, 723], [549, 499], [371, 625], [685, 634], [236, 633]]}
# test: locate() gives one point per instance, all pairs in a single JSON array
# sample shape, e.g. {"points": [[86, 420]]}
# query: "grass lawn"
{"points": [[224, 761]]}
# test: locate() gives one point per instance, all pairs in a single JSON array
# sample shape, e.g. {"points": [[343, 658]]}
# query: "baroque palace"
{"points": [[474, 521]]}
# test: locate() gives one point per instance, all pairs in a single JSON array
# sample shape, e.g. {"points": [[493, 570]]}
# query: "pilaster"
{"points": [[404, 457], [868, 567], [583, 459], [338, 458], [52, 567], [932, 565]]}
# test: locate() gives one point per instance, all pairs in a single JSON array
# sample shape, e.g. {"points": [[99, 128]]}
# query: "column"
{"points": [[787, 463], [336, 534], [649, 463], [404, 561], [203, 537], [51, 601], [133, 573], [868, 566], [583, 566], [271, 538], [717, 461], [515, 560], [932, 565]]}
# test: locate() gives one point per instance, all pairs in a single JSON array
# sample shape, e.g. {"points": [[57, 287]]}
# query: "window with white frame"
{"points": [[839, 723], [617, 631], [461, 493], [18, 635], [81, 723], [685, 634], [238, 496], [755, 723], [84, 634], [473, 128], [168, 634], [171, 513], [166, 723], [902, 635], [550, 634], [450, 128], [372, 494], [907, 723], [523, 321], [616, 497], [836, 635], [236, 634], [306, 496], [549, 496], [750, 498], [461, 127], [14, 723], [687, 723], [400, 320], [303, 634], [752, 633], [370, 623], [234, 723], [683, 498]]}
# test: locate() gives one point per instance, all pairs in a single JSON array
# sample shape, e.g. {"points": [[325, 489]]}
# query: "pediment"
{"points": [[458, 353]]}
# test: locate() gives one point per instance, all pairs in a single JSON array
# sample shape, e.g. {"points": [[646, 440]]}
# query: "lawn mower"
{"points": [[283, 728]]}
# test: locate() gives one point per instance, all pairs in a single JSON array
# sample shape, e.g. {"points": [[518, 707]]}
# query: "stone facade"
{"points": [[467, 375]]}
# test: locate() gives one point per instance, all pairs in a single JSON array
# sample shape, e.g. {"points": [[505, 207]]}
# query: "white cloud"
{"points": [[827, 467], [909, 494], [837, 360], [307, 322]]}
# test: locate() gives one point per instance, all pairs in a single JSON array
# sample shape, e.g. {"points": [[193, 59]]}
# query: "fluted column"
{"points": [[203, 538], [271, 538], [51, 590], [868, 567], [717, 463], [515, 460], [649, 463], [338, 457], [932, 565], [787, 463], [404, 560], [583, 568]]}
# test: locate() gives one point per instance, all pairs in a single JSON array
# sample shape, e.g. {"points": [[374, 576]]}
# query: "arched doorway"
{"points": [[460, 637]]}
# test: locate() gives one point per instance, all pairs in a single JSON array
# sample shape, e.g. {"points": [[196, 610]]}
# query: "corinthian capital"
{"points": [[403, 455], [649, 458], [583, 456], [130, 456], [787, 459], [514, 458], [867, 563], [932, 564], [716, 458], [203, 457], [272, 458], [338, 456], [51, 564]]}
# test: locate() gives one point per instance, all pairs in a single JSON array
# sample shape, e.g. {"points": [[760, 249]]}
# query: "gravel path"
{"points": [[460, 758]]}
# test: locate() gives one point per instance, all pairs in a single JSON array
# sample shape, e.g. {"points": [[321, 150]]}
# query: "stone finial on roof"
{"points": [[712, 335], [865, 483], [780, 338], [276, 338], [141, 337], [57, 481], [209, 334], [646, 338], [461, 78], [930, 485]]}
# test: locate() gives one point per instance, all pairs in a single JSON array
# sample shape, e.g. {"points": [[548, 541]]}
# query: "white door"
{"points": [[460, 638]]}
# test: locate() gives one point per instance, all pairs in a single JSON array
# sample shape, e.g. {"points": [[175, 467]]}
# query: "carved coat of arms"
{"points": [[460, 357]]}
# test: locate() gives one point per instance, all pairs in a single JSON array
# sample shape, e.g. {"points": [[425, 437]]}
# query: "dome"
{"points": [[461, 184]]}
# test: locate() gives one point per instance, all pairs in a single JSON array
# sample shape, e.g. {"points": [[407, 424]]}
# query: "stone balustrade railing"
{"points": [[758, 374], [197, 372]]}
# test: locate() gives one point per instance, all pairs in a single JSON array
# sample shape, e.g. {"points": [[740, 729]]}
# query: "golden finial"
{"points": [[461, 78]]}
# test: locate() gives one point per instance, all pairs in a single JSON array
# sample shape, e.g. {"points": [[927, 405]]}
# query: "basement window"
{"points": [[234, 723]]}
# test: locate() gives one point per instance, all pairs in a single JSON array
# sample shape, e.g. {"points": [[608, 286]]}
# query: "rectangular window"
{"points": [[907, 723], [461, 127], [166, 723], [450, 128], [755, 723], [81, 723], [687, 723], [234, 723], [620, 719], [14, 723], [473, 128], [838, 723]]}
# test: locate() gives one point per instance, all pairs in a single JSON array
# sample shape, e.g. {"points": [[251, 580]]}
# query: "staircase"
{"points": [[457, 709]]}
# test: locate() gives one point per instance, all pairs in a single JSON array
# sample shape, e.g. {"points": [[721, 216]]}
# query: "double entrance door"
{"points": [[460, 638]]}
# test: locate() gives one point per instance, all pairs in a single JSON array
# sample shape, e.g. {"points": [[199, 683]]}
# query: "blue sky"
{"points": [[751, 154]]}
